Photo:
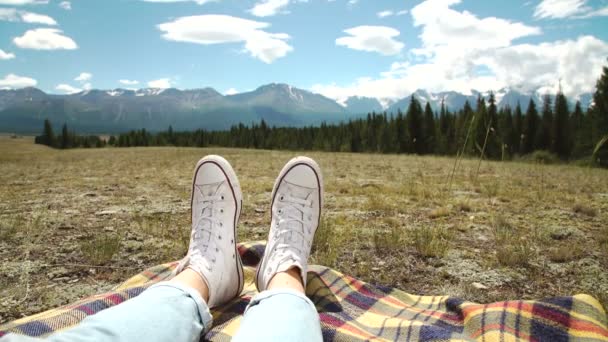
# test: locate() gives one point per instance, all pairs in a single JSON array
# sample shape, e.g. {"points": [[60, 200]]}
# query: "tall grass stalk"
{"points": [[459, 154], [483, 149]]}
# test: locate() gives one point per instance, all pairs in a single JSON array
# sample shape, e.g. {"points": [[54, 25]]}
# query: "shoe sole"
{"points": [[228, 171], [288, 167]]}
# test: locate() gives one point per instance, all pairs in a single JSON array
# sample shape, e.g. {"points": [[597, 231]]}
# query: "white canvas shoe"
{"points": [[216, 206], [296, 209]]}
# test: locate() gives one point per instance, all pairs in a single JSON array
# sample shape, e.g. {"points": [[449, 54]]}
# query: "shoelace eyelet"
{"points": [[281, 198], [222, 197], [222, 210]]}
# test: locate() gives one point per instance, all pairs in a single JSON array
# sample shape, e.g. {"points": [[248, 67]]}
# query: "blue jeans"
{"points": [[171, 312]]}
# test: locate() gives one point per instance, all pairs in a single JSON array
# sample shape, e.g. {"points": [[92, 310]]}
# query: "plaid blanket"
{"points": [[352, 310]]}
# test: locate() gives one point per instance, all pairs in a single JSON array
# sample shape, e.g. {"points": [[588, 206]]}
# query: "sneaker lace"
{"points": [[204, 234], [290, 239]]}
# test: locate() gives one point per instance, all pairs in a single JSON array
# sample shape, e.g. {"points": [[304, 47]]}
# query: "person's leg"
{"points": [[171, 310], [210, 274], [281, 311]]}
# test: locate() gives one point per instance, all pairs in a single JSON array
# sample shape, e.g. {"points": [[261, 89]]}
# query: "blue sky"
{"points": [[380, 48]]}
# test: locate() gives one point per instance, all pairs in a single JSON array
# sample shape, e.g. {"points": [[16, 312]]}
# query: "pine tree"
{"points": [[493, 145], [561, 127], [544, 137], [517, 129], [531, 125], [482, 124], [48, 137], [581, 132], [429, 129], [444, 126], [414, 121], [600, 115], [65, 137]]}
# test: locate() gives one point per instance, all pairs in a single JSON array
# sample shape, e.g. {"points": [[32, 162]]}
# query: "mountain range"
{"points": [[109, 111]]}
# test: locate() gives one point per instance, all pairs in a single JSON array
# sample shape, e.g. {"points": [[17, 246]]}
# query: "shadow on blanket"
{"points": [[352, 310]]}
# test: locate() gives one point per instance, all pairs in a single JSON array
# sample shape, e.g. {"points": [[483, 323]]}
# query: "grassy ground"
{"points": [[77, 222]]}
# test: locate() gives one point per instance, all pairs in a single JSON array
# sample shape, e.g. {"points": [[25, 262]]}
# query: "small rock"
{"points": [[106, 212], [562, 233], [259, 211], [109, 229], [89, 194], [479, 286], [62, 279]]}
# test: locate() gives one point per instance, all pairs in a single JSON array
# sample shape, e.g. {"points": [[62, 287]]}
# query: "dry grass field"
{"points": [[77, 222]]}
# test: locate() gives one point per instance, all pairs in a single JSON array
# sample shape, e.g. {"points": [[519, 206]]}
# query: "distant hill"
{"points": [[119, 110]]}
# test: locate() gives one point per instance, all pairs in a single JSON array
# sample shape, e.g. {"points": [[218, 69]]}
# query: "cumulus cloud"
{"points": [[67, 89], [6, 55], [218, 29], [461, 52], [162, 83], [23, 2], [443, 26], [12, 81], [128, 82], [373, 39], [45, 39], [14, 15], [83, 77], [267, 8], [66, 5]]}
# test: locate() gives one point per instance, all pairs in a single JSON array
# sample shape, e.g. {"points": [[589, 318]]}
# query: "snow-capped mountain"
{"points": [[115, 110], [504, 97]]}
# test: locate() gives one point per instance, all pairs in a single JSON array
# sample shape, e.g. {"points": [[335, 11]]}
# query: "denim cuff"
{"points": [[279, 292], [203, 310]]}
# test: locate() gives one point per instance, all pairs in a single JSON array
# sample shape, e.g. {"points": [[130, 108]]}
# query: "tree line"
{"points": [[67, 138], [485, 131]]}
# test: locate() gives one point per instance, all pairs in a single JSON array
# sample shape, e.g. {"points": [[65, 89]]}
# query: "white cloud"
{"points": [[373, 39], [384, 14], [128, 82], [67, 89], [461, 52], [162, 83], [45, 39], [267, 8], [200, 2], [231, 91], [445, 27], [575, 9], [66, 5], [560, 8], [14, 15], [34, 18], [83, 77], [6, 55], [12, 81], [389, 13], [23, 2], [218, 29]]}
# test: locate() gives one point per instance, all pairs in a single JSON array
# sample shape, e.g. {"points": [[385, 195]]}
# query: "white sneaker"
{"points": [[216, 207], [296, 209]]}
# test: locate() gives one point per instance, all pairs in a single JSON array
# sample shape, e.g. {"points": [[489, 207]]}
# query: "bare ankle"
{"points": [[290, 279]]}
